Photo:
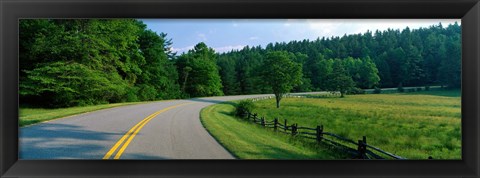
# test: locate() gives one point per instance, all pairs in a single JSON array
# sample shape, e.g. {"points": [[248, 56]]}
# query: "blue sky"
{"points": [[226, 34]]}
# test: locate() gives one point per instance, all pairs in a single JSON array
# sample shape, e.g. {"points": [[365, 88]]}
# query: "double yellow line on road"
{"points": [[132, 132]]}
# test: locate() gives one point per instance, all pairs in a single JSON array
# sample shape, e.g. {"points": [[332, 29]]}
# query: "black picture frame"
{"points": [[12, 10]]}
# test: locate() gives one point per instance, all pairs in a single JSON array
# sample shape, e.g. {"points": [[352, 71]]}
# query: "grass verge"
{"points": [[248, 141], [29, 116]]}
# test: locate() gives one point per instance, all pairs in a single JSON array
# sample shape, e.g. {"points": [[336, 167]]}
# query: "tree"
{"points": [[339, 80], [70, 62], [200, 76], [450, 68], [398, 65], [383, 70], [415, 75], [228, 75], [368, 73], [253, 83], [186, 70], [159, 76], [305, 84], [167, 46], [324, 70], [434, 52], [87, 61], [281, 73], [311, 69], [67, 84]]}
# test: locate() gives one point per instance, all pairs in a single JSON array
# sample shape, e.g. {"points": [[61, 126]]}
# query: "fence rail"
{"points": [[362, 148]]}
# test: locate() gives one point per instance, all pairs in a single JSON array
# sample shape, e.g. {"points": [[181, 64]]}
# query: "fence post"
{"points": [[285, 125], [262, 121], [319, 133], [294, 129], [249, 115], [254, 117], [275, 123], [362, 148]]}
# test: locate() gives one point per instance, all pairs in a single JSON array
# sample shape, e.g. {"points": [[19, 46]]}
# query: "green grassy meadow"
{"points": [[412, 125], [30, 116]]}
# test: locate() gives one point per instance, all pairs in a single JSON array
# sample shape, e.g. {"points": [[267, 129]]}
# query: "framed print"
{"points": [[239, 88]]}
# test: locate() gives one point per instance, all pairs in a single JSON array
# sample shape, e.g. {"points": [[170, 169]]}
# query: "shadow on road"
{"points": [[61, 141], [211, 101]]}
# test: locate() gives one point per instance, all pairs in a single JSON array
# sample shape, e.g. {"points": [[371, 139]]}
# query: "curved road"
{"points": [[157, 130]]}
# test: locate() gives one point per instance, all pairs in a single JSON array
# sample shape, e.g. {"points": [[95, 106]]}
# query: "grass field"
{"points": [[248, 141], [412, 125], [30, 116]]}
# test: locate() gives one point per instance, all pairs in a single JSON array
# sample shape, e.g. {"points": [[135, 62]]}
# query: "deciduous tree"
{"points": [[281, 73], [203, 78]]}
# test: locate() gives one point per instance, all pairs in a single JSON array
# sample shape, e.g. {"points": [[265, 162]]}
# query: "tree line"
{"points": [[391, 58], [66, 63]]}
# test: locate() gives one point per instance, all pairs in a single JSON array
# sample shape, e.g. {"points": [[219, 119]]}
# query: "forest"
{"points": [[76, 62]]}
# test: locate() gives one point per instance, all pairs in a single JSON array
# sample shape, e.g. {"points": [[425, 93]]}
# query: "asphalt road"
{"points": [[157, 130]]}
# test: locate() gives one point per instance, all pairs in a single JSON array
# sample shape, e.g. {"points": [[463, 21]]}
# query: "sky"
{"points": [[224, 35]]}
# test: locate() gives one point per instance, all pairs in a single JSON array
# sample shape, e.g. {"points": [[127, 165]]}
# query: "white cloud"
{"points": [[228, 48], [253, 38]]}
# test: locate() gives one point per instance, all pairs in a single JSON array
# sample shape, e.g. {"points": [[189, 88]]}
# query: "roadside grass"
{"points": [[249, 141], [29, 116], [412, 125]]}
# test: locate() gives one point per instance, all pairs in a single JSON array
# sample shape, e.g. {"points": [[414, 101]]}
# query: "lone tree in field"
{"points": [[339, 80], [281, 73]]}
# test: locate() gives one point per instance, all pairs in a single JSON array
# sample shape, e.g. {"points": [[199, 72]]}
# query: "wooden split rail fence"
{"points": [[362, 151]]}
